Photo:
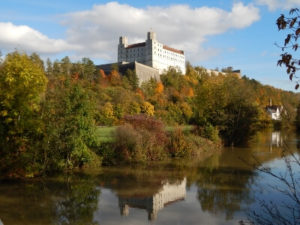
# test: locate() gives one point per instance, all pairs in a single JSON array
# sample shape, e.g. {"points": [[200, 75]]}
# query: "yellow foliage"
{"points": [[186, 110], [108, 110], [148, 108]]}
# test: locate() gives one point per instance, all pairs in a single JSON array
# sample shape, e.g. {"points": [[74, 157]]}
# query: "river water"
{"points": [[222, 189]]}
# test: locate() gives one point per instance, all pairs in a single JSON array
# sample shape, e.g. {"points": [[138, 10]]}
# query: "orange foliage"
{"points": [[75, 76], [140, 93], [159, 88], [188, 91], [102, 74], [114, 77]]}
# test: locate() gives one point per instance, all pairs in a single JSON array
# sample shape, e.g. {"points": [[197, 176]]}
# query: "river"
{"points": [[222, 189]]}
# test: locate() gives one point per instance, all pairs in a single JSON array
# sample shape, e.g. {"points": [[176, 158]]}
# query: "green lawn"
{"points": [[106, 134], [184, 128]]}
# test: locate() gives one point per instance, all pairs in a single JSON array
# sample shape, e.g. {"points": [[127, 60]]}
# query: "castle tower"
{"points": [[123, 43], [151, 35]]}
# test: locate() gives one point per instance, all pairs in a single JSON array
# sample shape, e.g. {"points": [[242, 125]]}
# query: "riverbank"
{"points": [[144, 139]]}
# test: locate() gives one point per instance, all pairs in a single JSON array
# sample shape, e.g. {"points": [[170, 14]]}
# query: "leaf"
{"points": [[293, 10], [295, 47], [297, 86], [287, 40], [297, 31], [291, 76], [292, 23]]}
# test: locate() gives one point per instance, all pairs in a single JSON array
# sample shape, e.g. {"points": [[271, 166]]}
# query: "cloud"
{"points": [[279, 4], [94, 33], [27, 39], [180, 26]]}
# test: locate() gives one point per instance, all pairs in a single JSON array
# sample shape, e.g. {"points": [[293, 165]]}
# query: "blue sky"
{"points": [[213, 33]]}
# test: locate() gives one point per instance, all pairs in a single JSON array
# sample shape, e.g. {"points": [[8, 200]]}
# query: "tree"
{"points": [[37, 60], [132, 78], [69, 130], [49, 69], [22, 82], [290, 23]]}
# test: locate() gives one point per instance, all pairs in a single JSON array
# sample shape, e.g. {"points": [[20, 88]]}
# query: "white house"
{"points": [[274, 111]]}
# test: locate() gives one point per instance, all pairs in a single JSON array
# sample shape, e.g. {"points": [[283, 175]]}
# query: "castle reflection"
{"points": [[168, 194]]}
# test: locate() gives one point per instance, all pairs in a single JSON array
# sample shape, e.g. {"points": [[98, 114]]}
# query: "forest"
{"points": [[61, 115]]}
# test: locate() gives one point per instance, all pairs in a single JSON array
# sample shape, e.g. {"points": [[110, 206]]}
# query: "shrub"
{"points": [[178, 145], [141, 138], [210, 132]]}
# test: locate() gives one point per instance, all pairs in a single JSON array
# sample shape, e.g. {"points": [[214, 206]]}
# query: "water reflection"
{"points": [[216, 190], [276, 140], [169, 193], [62, 201], [224, 190]]}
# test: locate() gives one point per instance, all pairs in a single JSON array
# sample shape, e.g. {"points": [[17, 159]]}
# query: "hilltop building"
{"points": [[151, 53]]}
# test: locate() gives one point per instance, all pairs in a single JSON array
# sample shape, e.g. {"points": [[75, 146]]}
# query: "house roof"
{"points": [[273, 108]]}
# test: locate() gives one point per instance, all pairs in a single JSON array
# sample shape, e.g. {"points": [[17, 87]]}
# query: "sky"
{"points": [[213, 33]]}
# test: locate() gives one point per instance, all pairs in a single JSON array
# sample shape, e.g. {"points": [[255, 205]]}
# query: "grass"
{"points": [[106, 134], [184, 128]]}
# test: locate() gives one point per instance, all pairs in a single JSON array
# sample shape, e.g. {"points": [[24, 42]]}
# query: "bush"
{"points": [[178, 145], [141, 138], [208, 131]]}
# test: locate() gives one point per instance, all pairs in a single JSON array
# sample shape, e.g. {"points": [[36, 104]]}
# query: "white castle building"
{"points": [[151, 53]]}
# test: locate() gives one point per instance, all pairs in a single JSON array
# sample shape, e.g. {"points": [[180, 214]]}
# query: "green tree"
{"points": [[49, 68], [22, 83], [66, 66], [132, 78], [89, 69], [37, 60], [69, 127]]}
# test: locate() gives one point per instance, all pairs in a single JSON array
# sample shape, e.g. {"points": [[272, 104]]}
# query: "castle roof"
{"points": [[173, 49], [142, 44]]}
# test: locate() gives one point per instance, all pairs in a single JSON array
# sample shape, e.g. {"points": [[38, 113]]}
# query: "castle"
{"points": [[148, 59], [151, 53]]}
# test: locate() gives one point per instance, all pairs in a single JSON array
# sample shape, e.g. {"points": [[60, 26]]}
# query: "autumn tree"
{"points": [[22, 83]]}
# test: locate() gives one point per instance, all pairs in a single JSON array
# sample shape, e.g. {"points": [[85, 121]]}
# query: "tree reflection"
{"points": [[223, 190], [78, 202], [63, 200]]}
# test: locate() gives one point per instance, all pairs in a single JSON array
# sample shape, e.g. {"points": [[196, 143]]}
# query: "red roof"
{"points": [[173, 49], [137, 45]]}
